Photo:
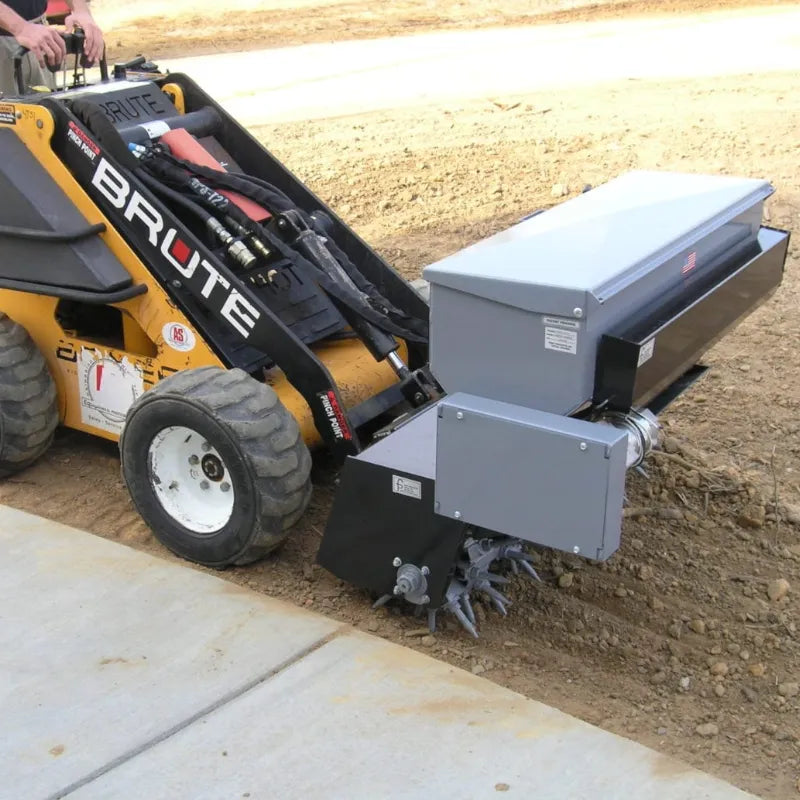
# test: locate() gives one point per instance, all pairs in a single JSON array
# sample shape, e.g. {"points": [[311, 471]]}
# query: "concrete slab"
{"points": [[125, 676], [104, 650], [362, 718]]}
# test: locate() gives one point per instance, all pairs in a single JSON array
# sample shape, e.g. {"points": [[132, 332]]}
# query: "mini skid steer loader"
{"points": [[167, 283], [162, 272]]}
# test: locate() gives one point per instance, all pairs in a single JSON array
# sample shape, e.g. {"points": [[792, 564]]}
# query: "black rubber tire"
{"points": [[28, 400], [257, 438]]}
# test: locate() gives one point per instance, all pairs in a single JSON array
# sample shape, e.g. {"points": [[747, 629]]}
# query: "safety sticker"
{"points": [[561, 340], [155, 128], [8, 114], [407, 487], [335, 415], [562, 322], [82, 142], [107, 389], [646, 352], [178, 337]]}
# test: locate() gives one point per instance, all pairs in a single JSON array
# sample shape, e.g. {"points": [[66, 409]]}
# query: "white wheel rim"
{"points": [[190, 479]]}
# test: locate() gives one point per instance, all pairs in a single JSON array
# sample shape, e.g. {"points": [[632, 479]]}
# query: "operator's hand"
{"points": [[45, 44], [93, 43]]}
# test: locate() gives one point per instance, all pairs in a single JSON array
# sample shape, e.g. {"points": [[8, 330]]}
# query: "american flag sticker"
{"points": [[690, 263]]}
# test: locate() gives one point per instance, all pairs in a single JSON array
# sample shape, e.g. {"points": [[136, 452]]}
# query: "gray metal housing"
{"points": [[545, 478], [517, 317]]}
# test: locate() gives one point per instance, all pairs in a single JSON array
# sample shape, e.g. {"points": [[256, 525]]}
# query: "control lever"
{"points": [[74, 44], [138, 64]]}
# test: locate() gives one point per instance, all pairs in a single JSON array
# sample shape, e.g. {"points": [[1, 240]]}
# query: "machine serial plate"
{"points": [[407, 487]]}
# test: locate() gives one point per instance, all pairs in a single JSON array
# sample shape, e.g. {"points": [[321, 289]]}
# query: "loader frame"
{"points": [[333, 387]]}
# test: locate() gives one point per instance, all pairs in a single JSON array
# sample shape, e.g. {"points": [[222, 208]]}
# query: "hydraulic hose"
{"points": [[175, 196]]}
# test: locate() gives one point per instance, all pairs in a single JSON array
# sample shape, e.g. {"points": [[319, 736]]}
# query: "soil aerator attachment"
{"points": [[168, 284], [557, 343]]}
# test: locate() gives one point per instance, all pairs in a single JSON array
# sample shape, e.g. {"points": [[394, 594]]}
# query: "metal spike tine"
{"points": [[499, 606], [382, 601], [530, 570], [418, 611], [432, 619], [493, 578], [496, 597], [514, 566], [462, 618], [468, 608]]}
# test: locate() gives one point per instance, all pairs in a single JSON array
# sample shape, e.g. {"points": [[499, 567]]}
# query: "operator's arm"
{"points": [[43, 42], [81, 16]]}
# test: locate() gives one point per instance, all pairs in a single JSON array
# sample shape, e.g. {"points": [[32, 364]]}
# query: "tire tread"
{"points": [[28, 400]]}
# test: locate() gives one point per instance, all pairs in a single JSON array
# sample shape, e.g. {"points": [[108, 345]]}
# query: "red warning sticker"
{"points": [[8, 114]]}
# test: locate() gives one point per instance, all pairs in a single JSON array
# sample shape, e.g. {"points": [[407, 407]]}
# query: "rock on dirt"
{"points": [[656, 604], [753, 516], [789, 689], [778, 589], [698, 626], [671, 444], [791, 514], [750, 694], [707, 730]]}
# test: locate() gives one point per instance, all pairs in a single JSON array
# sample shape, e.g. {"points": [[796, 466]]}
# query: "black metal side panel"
{"points": [[256, 160], [141, 107], [30, 198], [199, 283], [371, 525], [636, 364]]}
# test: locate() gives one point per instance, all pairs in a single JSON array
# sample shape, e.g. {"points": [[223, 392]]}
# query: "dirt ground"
{"points": [[189, 28], [680, 641]]}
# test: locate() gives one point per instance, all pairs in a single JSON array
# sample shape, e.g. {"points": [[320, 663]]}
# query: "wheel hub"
{"points": [[213, 468], [190, 479]]}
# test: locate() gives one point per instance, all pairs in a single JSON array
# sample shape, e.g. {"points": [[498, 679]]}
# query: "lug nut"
{"points": [[206, 447], [226, 487], [194, 460], [397, 561], [204, 484]]}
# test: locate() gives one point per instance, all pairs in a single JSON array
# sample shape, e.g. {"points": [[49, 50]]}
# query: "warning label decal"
{"points": [[646, 352], [107, 389], [8, 114], [561, 339]]}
